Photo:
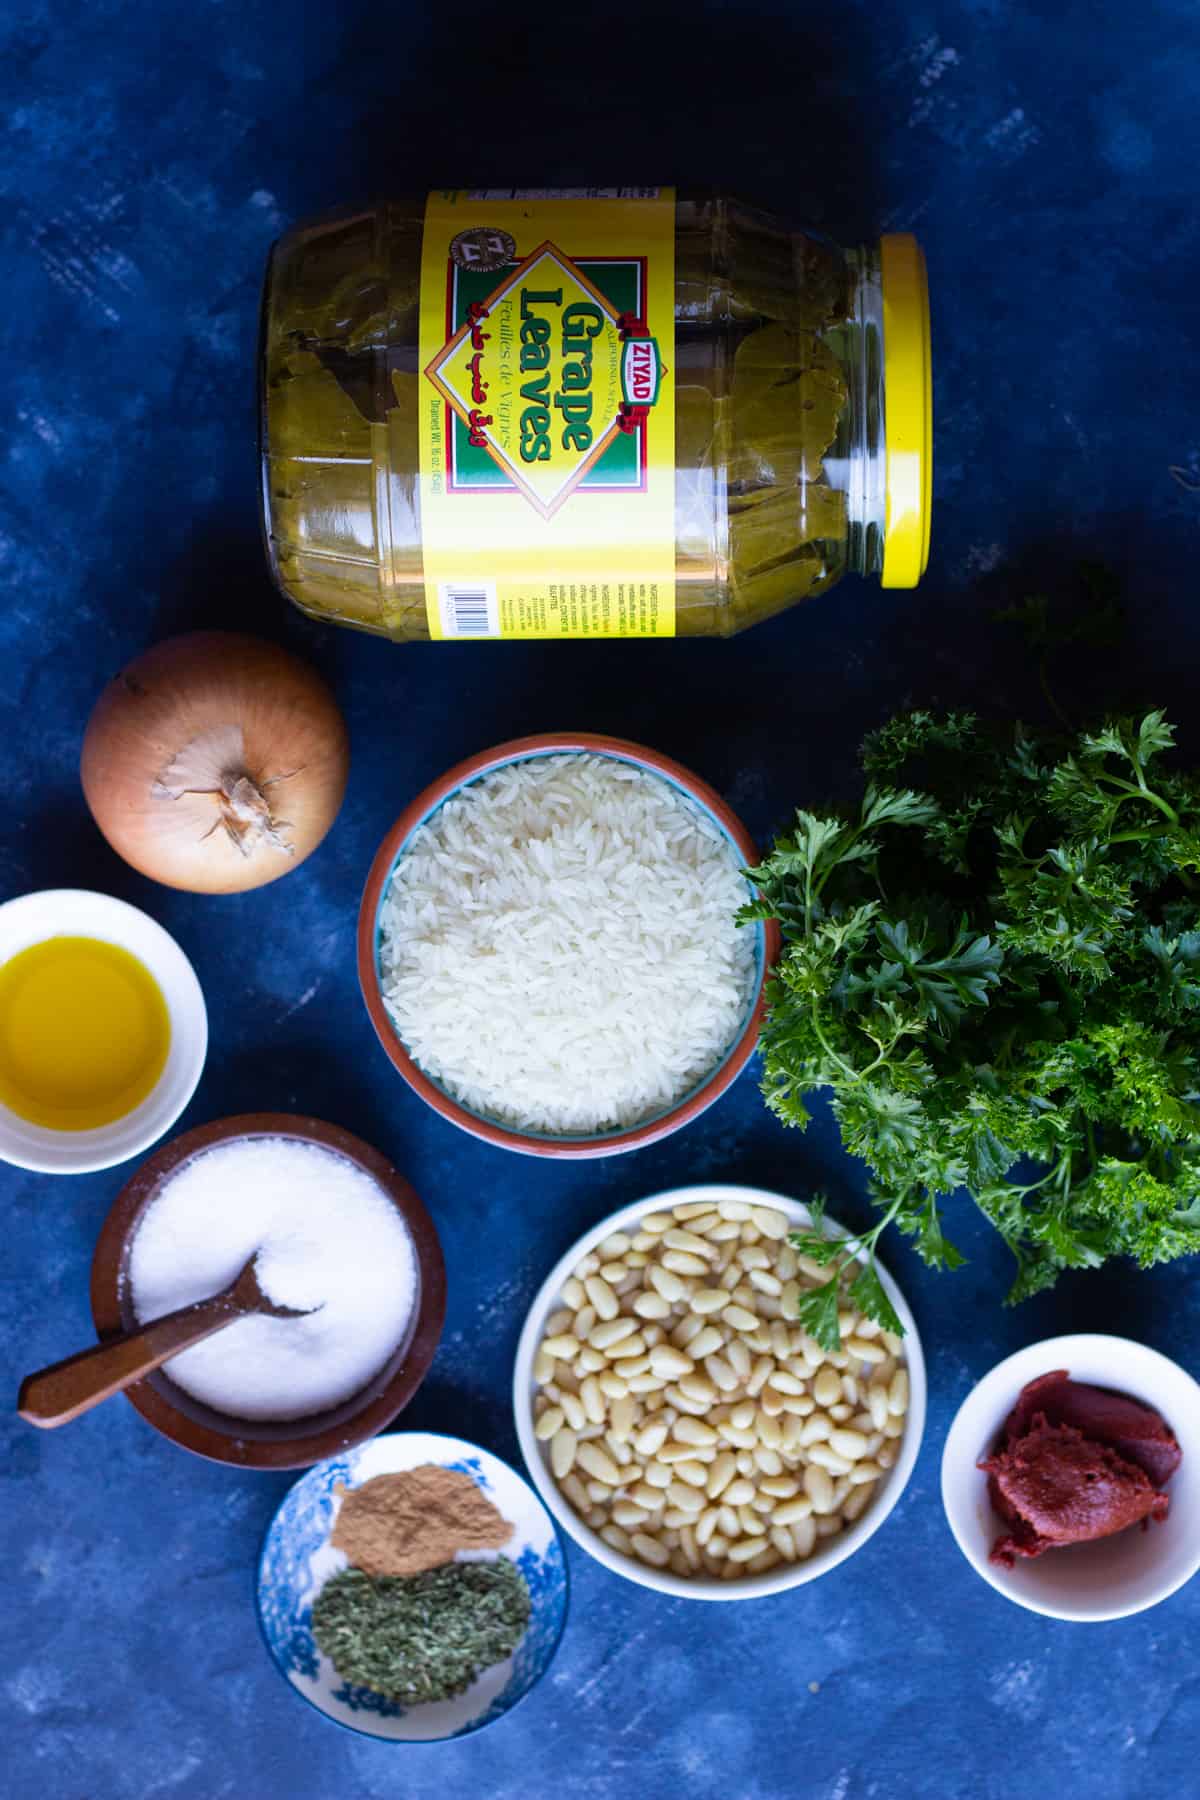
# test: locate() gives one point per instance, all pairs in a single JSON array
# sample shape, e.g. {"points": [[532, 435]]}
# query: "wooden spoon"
{"points": [[66, 1389]]}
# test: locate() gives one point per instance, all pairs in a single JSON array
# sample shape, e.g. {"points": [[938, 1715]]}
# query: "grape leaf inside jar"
{"points": [[995, 974]]}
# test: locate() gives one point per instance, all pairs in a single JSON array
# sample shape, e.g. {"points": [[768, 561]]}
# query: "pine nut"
{"points": [[758, 1375], [651, 1306], [601, 1296], [783, 1542], [668, 1285], [685, 1498], [563, 1345], [857, 1500], [678, 1239], [649, 1550], [593, 1400], [547, 1423], [573, 1407], [818, 1487], [693, 1472], [707, 1340], [708, 1300], [666, 1360], [609, 1332], [772, 1224], [740, 1318], [825, 1458], [721, 1372], [743, 1550], [792, 1511], [611, 1386], [623, 1414], [866, 1350], [675, 1451], [576, 1493], [765, 1283], [694, 1431], [562, 1452], [599, 1464], [898, 1394], [652, 1499], [721, 1474], [739, 1493], [864, 1471], [684, 1262], [739, 1358], [804, 1536], [706, 1524], [847, 1443], [780, 1487], [698, 1388], [826, 1387], [688, 1327]]}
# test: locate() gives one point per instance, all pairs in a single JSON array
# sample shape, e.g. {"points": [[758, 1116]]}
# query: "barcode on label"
{"points": [[469, 612]]}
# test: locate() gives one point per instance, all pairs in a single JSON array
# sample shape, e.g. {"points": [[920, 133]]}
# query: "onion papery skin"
{"points": [[215, 762]]}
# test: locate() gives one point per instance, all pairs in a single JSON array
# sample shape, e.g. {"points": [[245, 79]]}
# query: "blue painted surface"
{"points": [[1048, 157]]}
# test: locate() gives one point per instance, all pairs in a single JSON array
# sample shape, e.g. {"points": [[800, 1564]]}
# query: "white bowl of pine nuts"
{"points": [[682, 1426]]}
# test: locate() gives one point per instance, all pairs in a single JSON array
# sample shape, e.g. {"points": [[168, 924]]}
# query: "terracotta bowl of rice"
{"points": [[548, 950]]}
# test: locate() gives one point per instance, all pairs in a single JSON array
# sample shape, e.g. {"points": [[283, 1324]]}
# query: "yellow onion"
{"points": [[215, 762]]}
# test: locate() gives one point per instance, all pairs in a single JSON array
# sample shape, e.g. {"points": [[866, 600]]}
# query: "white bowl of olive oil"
{"points": [[103, 1031]]}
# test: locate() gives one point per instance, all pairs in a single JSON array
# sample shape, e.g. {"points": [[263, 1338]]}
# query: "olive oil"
{"points": [[84, 1033]]}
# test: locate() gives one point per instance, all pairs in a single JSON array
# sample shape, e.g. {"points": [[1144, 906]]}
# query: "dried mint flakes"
{"points": [[415, 1638]]}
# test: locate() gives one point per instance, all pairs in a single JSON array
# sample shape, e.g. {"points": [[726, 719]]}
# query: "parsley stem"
{"points": [[828, 1048], [1139, 791]]}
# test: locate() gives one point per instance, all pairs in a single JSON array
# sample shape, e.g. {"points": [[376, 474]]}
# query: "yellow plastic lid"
{"points": [[908, 410]]}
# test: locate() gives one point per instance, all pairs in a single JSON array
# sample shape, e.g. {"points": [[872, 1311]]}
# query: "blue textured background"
{"points": [[1047, 155]]}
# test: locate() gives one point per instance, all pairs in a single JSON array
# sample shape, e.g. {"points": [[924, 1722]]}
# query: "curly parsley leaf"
{"points": [[992, 966]]}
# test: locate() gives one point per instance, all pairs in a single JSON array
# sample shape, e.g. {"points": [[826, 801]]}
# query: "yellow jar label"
{"points": [[547, 417]]}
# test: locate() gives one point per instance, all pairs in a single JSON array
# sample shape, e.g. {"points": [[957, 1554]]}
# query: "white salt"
{"points": [[328, 1237]]}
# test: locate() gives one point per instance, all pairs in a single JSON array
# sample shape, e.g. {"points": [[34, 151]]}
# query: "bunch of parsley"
{"points": [[993, 967]]}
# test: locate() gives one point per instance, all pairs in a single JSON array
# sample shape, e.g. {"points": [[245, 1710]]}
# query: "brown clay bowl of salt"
{"points": [[342, 1241]]}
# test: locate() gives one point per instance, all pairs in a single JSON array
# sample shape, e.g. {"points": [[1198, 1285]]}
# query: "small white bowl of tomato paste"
{"points": [[1071, 1477]]}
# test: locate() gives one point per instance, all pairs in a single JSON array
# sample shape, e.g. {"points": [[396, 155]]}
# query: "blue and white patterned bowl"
{"points": [[297, 1560]]}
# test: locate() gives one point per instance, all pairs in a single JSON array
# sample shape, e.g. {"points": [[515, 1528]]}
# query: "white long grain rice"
{"points": [[558, 948]]}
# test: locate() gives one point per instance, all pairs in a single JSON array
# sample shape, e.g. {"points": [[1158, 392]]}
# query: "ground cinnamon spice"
{"points": [[416, 1519]]}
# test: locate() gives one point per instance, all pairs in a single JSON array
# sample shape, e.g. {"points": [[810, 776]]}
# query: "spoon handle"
{"points": [[55, 1395]]}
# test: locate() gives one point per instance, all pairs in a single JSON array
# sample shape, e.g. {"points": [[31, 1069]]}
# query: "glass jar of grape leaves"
{"points": [[603, 412]]}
